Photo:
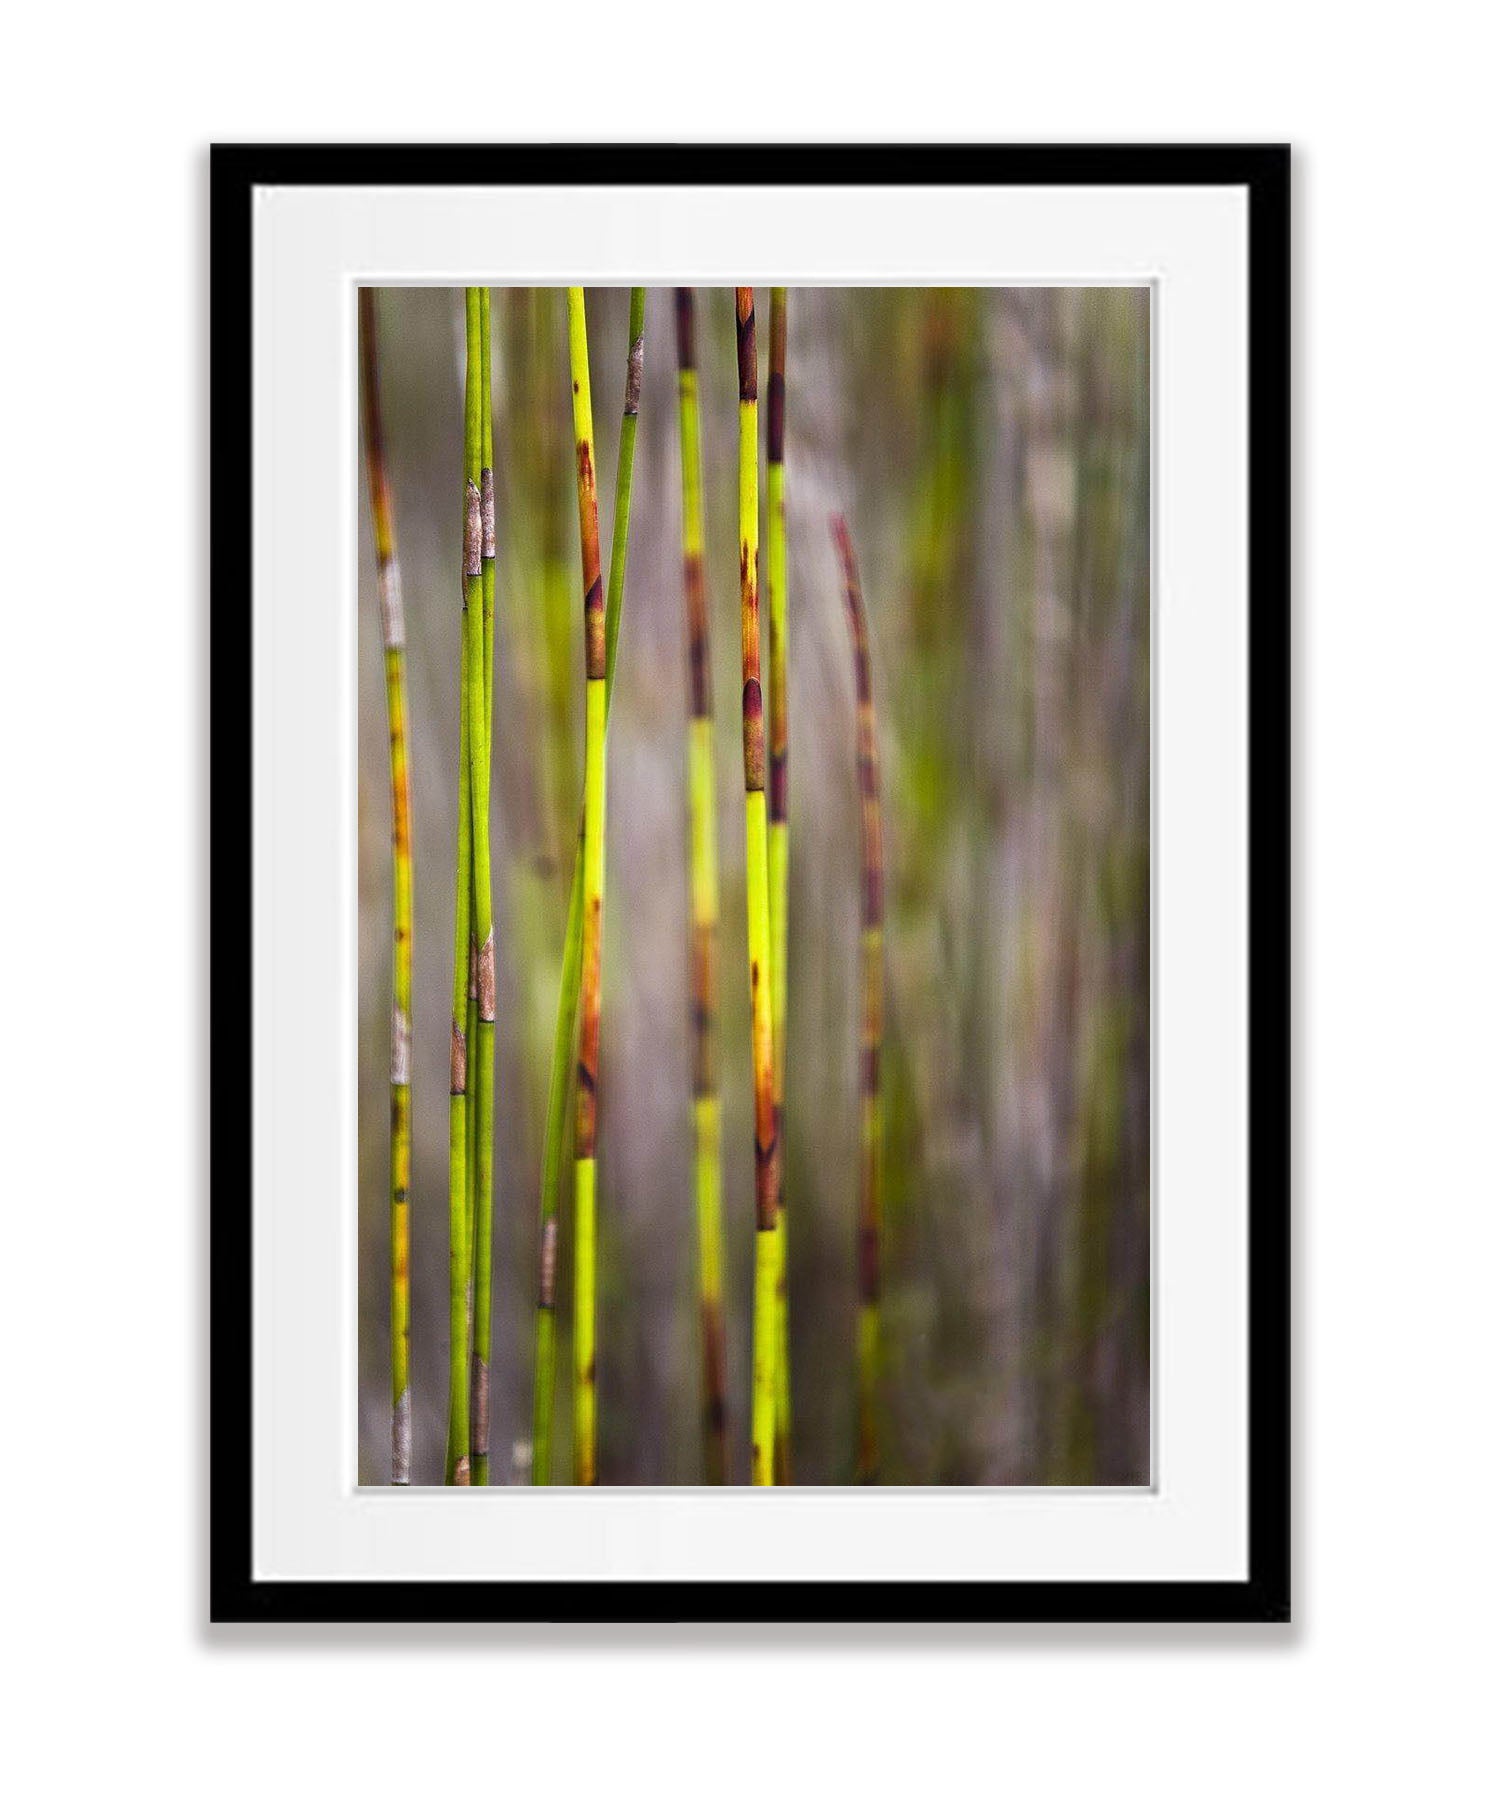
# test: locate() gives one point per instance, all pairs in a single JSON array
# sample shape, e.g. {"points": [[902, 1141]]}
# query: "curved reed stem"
{"points": [[704, 897], [565, 1036], [393, 639], [780, 840], [758, 916], [872, 915], [481, 717]]}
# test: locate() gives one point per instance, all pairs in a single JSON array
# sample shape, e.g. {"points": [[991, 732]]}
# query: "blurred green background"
{"points": [[991, 451]]}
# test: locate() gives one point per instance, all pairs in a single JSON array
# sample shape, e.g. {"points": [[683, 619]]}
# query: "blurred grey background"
{"points": [[990, 448]]}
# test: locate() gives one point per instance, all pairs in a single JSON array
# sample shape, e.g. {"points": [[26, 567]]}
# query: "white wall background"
{"points": [[1382, 1685]]}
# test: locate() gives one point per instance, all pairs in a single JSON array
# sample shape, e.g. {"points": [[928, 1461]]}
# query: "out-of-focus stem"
{"points": [[704, 899], [393, 639], [872, 915]]}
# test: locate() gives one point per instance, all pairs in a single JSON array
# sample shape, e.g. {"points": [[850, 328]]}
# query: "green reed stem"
{"points": [[482, 688], [460, 1246], [565, 1036], [586, 1118]]}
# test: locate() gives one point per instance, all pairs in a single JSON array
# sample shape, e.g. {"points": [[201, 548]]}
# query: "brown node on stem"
{"points": [[547, 1294], [684, 300], [749, 616], [594, 643], [744, 331], [400, 825], [586, 1129], [392, 615], [703, 1009], [777, 792], [755, 737], [588, 1036], [874, 893], [776, 394], [401, 1440], [697, 614], [767, 1151], [633, 376], [593, 593], [479, 1404], [715, 1412], [400, 1048], [777, 414], [486, 978], [864, 758], [487, 512], [473, 533]]}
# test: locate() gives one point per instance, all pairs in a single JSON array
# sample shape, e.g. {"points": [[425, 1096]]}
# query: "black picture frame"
{"points": [[1263, 171]]}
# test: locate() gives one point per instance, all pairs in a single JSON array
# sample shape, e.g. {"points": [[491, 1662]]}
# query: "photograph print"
{"points": [[754, 886]]}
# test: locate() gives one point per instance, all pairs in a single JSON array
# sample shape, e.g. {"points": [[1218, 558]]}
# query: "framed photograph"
{"points": [[750, 883]]}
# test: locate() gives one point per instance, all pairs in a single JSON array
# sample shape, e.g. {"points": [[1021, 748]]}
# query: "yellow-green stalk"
{"points": [[586, 1120], [872, 981], [481, 714], [393, 638], [460, 1244], [758, 917], [566, 1033], [704, 899], [779, 839]]}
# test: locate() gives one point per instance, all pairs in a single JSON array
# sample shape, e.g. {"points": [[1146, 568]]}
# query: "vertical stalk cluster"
{"points": [[704, 902], [758, 915], [565, 1035], [767, 847], [780, 840], [872, 915], [393, 638]]}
